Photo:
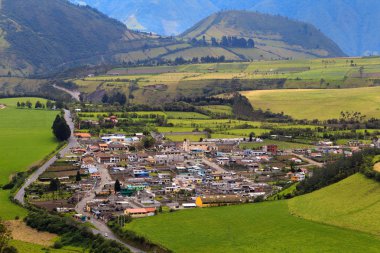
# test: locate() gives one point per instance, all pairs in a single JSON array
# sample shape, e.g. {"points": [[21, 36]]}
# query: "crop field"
{"points": [[263, 227], [352, 203], [320, 104], [26, 138], [316, 73]]}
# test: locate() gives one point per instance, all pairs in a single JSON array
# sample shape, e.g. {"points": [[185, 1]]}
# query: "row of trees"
{"points": [[204, 59], [226, 41], [39, 105], [336, 171], [71, 233], [116, 97]]}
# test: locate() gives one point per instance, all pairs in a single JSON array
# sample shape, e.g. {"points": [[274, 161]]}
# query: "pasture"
{"points": [[352, 203], [25, 139], [318, 104], [262, 227]]}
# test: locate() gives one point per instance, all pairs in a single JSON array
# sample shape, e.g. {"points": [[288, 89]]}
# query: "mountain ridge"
{"points": [[352, 24]]}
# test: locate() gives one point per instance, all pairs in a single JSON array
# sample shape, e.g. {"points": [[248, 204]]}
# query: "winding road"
{"points": [[72, 142], [101, 228], [74, 94]]}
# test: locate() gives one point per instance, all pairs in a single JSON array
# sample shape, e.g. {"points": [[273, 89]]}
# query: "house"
{"points": [[103, 146], [83, 136], [114, 146], [218, 200], [189, 146], [272, 149], [104, 158], [140, 212]]}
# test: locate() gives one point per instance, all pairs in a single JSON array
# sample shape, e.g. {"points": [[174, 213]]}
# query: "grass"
{"points": [[263, 227], [218, 109], [281, 144], [352, 203], [26, 247], [9, 210], [182, 137], [26, 138], [321, 104]]}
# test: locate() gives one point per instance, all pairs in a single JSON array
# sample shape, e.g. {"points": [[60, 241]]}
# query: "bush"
{"points": [[58, 245]]}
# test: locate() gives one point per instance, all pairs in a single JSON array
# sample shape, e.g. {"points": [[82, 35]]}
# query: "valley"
{"points": [[227, 131]]}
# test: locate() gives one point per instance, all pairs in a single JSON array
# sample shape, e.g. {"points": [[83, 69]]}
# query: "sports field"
{"points": [[318, 104], [25, 139]]}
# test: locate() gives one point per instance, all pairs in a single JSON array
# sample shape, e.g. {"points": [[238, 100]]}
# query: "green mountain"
{"points": [[275, 35], [352, 24], [41, 36]]}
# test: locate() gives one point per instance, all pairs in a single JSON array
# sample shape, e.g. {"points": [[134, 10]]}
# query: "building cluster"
{"points": [[178, 175]]}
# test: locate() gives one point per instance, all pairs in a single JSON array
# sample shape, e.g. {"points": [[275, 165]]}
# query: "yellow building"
{"points": [[218, 200]]}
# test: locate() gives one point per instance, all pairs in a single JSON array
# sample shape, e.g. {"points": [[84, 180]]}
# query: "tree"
{"points": [[60, 129], [148, 142], [250, 43], [54, 185], [38, 105], [28, 104], [117, 186], [78, 177], [105, 98], [49, 104], [251, 135], [18, 104]]}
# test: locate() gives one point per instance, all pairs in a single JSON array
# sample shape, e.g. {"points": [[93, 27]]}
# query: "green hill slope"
{"points": [[273, 35], [44, 35], [264, 227], [352, 203]]}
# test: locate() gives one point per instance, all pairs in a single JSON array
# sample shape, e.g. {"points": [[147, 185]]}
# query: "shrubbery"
{"points": [[72, 233], [339, 170]]}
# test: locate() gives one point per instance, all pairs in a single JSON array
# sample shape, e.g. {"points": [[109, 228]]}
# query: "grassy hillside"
{"points": [[265, 227], [273, 34], [34, 41], [318, 104], [352, 203], [26, 138]]}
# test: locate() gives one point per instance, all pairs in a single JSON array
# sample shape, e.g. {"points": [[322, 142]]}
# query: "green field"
{"points": [[352, 203], [26, 138], [263, 227], [197, 79], [25, 247], [281, 144], [318, 104]]}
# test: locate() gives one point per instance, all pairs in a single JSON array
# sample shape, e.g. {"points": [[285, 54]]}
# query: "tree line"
{"points": [[225, 41], [39, 105], [340, 169]]}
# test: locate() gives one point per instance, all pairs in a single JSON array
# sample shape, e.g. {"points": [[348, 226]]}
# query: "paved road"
{"points": [[214, 166], [75, 94], [310, 161], [72, 142], [101, 227]]}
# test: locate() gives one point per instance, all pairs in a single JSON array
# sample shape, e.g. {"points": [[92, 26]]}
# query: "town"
{"points": [[112, 175]]}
